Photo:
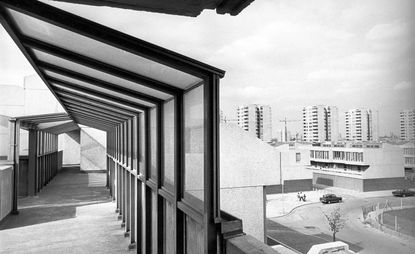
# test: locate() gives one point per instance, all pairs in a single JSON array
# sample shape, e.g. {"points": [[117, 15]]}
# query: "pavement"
{"points": [[74, 213], [306, 225], [283, 204]]}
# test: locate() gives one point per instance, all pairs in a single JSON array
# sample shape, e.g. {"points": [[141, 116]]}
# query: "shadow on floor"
{"points": [[299, 241], [60, 198]]}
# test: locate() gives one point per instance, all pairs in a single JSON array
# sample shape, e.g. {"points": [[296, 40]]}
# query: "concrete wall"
{"points": [[93, 149], [4, 137], [247, 204], [24, 99], [295, 185], [383, 184], [338, 181], [386, 162], [291, 168], [246, 160], [69, 143], [6, 195]]}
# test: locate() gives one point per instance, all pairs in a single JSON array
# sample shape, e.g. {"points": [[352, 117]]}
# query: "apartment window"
{"points": [[297, 157]]}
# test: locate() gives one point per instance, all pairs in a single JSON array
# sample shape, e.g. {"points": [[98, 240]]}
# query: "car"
{"points": [[403, 193], [330, 198]]}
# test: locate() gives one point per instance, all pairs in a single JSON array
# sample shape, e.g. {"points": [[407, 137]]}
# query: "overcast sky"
{"points": [[288, 54]]}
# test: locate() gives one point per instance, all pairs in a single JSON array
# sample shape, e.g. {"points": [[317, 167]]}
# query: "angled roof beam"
{"points": [[73, 95], [43, 116], [101, 109], [95, 64], [87, 93], [91, 115], [95, 120], [112, 37], [96, 105], [86, 110], [49, 120], [94, 124], [66, 127], [96, 82]]}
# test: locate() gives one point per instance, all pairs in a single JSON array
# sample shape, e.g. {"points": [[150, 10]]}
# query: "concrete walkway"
{"points": [[72, 214]]}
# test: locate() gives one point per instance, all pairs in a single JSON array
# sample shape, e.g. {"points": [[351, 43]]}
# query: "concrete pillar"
{"points": [[15, 143], [128, 202], [133, 209], [32, 162], [118, 183], [124, 196]]}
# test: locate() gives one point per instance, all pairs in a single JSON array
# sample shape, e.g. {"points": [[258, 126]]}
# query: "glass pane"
{"points": [[96, 88], [82, 69], [153, 140], [83, 45], [154, 222], [141, 142], [4, 138], [194, 143], [194, 237], [135, 142], [169, 143], [170, 230], [129, 142]]}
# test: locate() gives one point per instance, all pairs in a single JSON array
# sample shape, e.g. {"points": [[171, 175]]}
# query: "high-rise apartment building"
{"points": [[256, 119], [320, 123], [361, 125], [408, 124]]}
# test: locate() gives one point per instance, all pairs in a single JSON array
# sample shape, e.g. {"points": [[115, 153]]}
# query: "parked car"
{"points": [[403, 193], [330, 198]]}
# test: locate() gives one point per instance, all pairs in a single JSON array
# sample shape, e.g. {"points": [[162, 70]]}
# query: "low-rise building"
{"points": [[409, 156], [357, 166]]}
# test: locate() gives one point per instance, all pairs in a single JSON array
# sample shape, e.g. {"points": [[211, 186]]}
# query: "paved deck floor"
{"points": [[72, 214]]}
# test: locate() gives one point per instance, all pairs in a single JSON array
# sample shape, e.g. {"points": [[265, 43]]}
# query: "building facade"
{"points": [[358, 166], [407, 124], [320, 123], [409, 156], [257, 120], [361, 125]]}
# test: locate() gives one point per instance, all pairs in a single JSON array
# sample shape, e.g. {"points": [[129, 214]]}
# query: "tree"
{"points": [[336, 221]]}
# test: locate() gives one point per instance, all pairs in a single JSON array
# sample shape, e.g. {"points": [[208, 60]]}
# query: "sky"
{"points": [[283, 53]]}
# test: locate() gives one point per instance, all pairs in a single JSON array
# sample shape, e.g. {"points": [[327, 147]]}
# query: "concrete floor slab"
{"points": [[72, 214]]}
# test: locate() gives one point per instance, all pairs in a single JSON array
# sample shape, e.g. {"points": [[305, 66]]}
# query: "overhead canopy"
{"points": [[178, 7], [100, 76], [57, 123]]}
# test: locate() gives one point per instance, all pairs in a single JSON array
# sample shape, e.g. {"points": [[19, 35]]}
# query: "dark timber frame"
{"points": [[43, 157], [144, 133]]}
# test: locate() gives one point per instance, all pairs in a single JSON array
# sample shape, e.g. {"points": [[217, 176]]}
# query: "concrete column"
{"points": [[124, 196], [128, 203], [32, 162], [133, 213], [118, 183], [15, 143]]}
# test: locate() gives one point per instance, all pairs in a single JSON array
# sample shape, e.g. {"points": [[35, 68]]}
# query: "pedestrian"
{"points": [[298, 196], [304, 197]]}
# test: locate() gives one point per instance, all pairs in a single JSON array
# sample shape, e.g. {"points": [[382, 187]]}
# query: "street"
{"points": [[307, 225]]}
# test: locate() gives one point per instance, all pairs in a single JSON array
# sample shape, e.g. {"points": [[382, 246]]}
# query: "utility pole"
{"points": [[285, 121]]}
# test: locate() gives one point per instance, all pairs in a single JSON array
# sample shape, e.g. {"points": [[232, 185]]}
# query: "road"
{"points": [[307, 225]]}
